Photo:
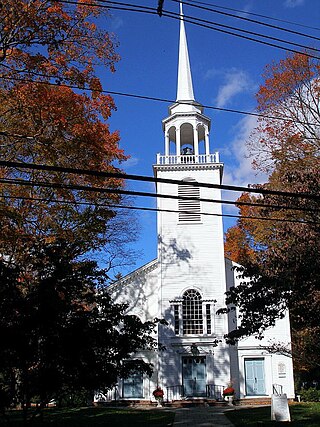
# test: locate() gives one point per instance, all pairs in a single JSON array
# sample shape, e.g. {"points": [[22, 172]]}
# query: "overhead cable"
{"points": [[52, 185], [152, 98], [212, 8], [143, 208], [122, 175], [271, 18], [197, 21]]}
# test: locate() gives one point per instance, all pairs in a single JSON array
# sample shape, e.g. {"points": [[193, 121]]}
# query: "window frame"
{"points": [[192, 313], [193, 207]]}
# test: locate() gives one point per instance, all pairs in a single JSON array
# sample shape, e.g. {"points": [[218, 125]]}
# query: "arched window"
{"points": [[189, 210], [192, 312]]}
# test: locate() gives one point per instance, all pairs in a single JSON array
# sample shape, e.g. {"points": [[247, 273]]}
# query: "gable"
{"points": [[139, 290]]}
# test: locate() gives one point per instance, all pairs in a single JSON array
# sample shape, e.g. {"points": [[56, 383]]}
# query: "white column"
{"points": [[167, 145], [206, 138], [178, 147], [196, 144]]}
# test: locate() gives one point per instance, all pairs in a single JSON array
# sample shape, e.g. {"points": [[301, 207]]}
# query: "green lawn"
{"points": [[96, 417], [302, 415]]}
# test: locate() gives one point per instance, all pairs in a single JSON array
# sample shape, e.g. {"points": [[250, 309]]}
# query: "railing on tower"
{"points": [[187, 159]]}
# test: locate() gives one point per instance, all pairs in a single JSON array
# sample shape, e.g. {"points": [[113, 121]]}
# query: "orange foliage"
{"points": [[239, 242], [64, 129], [292, 91], [48, 38]]}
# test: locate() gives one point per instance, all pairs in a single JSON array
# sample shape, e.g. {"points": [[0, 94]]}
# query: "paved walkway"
{"points": [[201, 416]]}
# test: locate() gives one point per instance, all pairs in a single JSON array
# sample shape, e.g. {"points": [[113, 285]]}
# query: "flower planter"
{"points": [[158, 395], [229, 399]]}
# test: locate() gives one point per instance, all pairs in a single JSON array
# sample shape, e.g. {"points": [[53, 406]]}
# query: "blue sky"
{"points": [[226, 73]]}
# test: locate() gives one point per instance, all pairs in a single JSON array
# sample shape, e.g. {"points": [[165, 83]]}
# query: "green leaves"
{"points": [[59, 328]]}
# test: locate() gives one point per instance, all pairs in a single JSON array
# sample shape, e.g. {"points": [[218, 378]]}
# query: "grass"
{"points": [[96, 417], [302, 415]]}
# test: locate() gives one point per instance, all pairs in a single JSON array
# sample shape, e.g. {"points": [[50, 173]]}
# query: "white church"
{"points": [[187, 282]]}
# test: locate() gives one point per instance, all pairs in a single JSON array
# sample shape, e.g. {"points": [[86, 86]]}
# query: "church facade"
{"points": [[187, 282]]}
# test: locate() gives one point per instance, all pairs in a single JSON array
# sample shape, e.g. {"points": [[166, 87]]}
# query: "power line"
{"points": [[51, 185], [207, 24], [152, 98], [143, 208], [199, 22], [211, 9], [259, 15], [143, 178]]}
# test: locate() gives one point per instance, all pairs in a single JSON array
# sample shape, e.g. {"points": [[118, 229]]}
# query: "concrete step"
{"points": [[254, 401]]}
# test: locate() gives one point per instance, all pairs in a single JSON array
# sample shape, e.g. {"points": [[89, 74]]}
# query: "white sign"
{"points": [[280, 408]]}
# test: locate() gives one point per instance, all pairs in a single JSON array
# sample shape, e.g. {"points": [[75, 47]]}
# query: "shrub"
{"points": [[310, 395]]}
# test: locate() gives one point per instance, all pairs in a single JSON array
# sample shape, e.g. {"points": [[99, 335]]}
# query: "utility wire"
{"points": [[122, 175], [143, 208], [259, 15], [212, 9], [152, 98], [199, 22], [51, 185]]}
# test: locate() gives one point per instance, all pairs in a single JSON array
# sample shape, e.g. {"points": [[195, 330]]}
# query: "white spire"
{"points": [[185, 89]]}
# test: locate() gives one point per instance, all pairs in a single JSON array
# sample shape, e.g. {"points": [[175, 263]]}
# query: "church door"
{"points": [[194, 375], [254, 370], [133, 386]]}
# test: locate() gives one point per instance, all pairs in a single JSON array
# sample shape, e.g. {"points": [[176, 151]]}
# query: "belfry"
{"points": [[186, 127], [186, 283]]}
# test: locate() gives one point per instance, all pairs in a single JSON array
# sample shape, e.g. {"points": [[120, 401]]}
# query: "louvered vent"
{"points": [[189, 210]]}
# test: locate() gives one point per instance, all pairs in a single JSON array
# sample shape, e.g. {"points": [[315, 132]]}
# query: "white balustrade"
{"points": [[187, 159]]}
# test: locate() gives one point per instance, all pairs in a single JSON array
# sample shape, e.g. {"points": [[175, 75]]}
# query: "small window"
{"points": [[192, 312], [208, 316], [189, 210], [133, 385], [176, 320]]}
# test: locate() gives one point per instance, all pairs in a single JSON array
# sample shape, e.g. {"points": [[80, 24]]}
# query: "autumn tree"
{"points": [[288, 101], [57, 331], [281, 248], [42, 44], [47, 39], [239, 245], [60, 331]]}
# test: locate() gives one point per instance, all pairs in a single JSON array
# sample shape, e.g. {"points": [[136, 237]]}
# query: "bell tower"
{"points": [[192, 278], [186, 128], [190, 229]]}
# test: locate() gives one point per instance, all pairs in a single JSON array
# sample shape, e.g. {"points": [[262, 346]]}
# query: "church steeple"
{"points": [[186, 128], [185, 87]]}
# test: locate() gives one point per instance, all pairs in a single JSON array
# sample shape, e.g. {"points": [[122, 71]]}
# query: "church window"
{"points": [[208, 316], [176, 320], [189, 210], [192, 312]]}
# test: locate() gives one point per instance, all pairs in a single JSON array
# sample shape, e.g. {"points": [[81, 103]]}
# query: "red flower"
{"points": [[229, 391], [158, 393]]}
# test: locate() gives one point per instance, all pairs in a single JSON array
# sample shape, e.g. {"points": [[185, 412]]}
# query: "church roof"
{"points": [[151, 265]]}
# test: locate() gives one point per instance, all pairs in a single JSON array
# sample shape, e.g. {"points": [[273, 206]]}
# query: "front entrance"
{"points": [[133, 386], [194, 376], [254, 371]]}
